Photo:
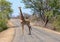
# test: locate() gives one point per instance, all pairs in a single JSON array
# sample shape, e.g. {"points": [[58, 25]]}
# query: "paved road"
{"points": [[38, 35]]}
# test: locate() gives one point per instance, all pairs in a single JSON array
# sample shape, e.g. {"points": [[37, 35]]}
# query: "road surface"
{"points": [[38, 35]]}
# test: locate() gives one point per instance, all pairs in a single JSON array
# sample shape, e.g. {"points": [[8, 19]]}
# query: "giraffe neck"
{"points": [[21, 15]]}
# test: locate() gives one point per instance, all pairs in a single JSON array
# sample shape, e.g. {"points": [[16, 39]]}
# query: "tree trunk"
{"points": [[42, 16], [47, 20]]}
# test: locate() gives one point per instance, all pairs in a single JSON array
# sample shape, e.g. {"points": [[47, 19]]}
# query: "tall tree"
{"points": [[5, 12], [46, 8], [38, 6], [5, 8]]}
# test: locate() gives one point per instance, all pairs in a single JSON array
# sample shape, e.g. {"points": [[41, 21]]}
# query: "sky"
{"points": [[16, 4]]}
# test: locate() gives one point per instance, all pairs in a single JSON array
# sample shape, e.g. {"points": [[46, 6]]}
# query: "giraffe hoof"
{"points": [[29, 33]]}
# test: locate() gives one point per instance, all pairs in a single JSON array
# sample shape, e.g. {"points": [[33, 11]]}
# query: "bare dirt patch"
{"points": [[7, 35]]}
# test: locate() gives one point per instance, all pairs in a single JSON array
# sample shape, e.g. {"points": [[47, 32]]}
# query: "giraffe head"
{"points": [[19, 7]]}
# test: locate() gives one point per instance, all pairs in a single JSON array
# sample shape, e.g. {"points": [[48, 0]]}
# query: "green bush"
{"points": [[56, 23], [5, 12], [3, 25]]}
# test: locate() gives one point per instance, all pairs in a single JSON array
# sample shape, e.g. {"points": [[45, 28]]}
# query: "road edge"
{"points": [[48, 30]]}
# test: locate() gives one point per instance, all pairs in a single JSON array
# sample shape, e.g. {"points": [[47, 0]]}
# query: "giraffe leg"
{"points": [[23, 28], [29, 29]]}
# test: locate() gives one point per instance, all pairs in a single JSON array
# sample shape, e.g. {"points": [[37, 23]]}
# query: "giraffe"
{"points": [[24, 22]]}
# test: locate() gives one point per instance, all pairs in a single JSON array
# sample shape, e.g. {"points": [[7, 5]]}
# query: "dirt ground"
{"points": [[7, 35]]}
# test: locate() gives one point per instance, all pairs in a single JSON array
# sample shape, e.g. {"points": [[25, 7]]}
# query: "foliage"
{"points": [[49, 14], [3, 25], [48, 9], [5, 12], [56, 23], [5, 8]]}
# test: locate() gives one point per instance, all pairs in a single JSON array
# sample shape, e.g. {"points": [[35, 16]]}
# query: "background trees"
{"points": [[48, 10], [5, 12]]}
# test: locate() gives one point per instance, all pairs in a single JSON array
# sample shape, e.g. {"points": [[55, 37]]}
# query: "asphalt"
{"points": [[38, 35]]}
